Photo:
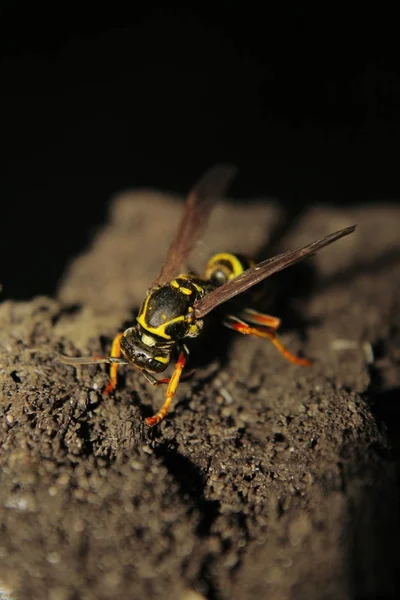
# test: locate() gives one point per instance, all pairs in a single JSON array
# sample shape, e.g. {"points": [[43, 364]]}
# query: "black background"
{"points": [[305, 102]]}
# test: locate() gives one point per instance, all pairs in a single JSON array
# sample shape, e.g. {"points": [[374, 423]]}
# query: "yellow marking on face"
{"points": [[174, 283], [185, 291], [148, 340], [161, 359]]}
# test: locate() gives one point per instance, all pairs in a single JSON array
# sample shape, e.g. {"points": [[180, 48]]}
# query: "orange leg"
{"points": [[115, 353], [172, 385], [245, 329], [253, 316], [184, 377]]}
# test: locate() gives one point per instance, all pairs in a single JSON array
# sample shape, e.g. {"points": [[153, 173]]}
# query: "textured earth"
{"points": [[266, 479]]}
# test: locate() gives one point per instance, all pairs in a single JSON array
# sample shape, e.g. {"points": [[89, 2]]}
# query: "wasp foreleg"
{"points": [[114, 360], [172, 386], [115, 353]]}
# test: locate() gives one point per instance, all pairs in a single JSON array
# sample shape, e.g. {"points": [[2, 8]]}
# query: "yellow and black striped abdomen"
{"points": [[223, 267]]}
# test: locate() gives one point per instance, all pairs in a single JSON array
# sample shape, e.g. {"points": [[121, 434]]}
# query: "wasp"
{"points": [[175, 306]]}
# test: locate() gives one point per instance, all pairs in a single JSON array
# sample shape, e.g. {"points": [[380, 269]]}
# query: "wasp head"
{"points": [[143, 350]]}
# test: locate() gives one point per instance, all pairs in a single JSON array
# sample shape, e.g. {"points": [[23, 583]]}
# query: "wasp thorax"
{"points": [[143, 350]]}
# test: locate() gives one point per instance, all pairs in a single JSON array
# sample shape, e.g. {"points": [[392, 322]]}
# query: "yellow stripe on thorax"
{"points": [[191, 279], [160, 330], [185, 291]]}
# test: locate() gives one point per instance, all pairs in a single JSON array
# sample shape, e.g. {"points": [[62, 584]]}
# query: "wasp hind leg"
{"points": [[263, 326], [172, 386], [251, 316]]}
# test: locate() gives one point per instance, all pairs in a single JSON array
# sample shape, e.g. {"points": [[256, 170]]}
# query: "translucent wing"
{"points": [[261, 271], [198, 207]]}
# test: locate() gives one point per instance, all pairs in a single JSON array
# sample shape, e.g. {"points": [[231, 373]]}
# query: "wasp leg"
{"points": [[115, 353], [262, 332], [249, 315], [172, 385], [156, 382]]}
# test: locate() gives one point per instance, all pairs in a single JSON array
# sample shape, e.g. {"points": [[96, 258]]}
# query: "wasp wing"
{"points": [[198, 207], [264, 269]]}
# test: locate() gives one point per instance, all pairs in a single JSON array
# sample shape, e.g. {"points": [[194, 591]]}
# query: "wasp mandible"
{"points": [[175, 306]]}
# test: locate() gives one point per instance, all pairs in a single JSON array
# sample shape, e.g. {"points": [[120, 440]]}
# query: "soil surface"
{"points": [[265, 480]]}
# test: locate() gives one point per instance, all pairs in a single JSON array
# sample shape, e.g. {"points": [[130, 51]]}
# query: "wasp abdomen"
{"points": [[224, 266]]}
